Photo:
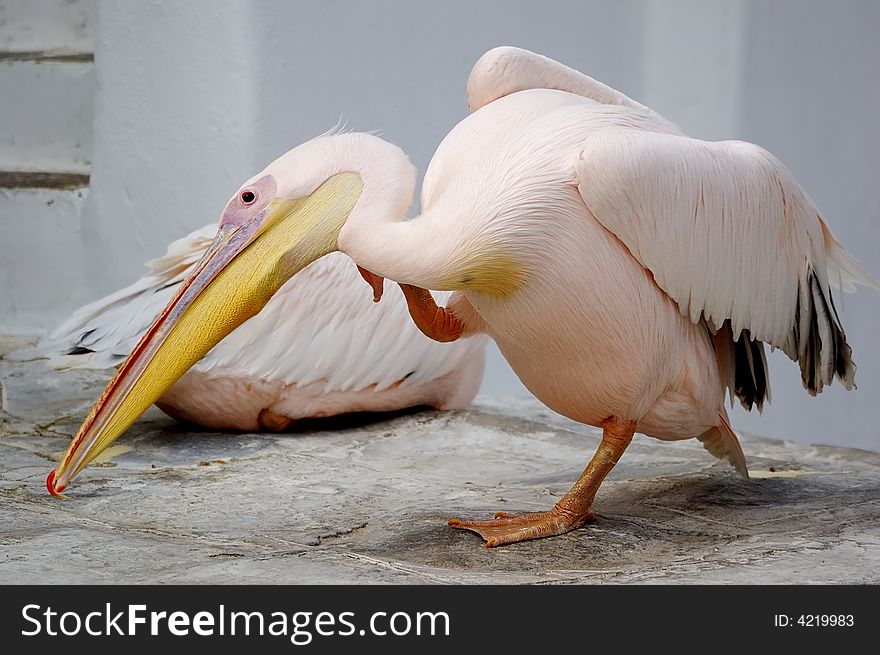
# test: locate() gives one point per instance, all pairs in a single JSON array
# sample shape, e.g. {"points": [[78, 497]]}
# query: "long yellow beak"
{"points": [[238, 274]]}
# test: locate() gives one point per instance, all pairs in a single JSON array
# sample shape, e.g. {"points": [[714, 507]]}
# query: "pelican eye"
{"points": [[248, 197]]}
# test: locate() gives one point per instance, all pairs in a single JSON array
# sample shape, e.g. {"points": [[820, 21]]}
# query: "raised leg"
{"points": [[437, 323], [573, 510]]}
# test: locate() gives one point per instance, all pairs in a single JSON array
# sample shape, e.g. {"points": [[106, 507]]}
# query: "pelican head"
{"points": [[276, 224]]}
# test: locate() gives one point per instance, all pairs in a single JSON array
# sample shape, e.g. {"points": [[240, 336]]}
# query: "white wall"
{"points": [[194, 97], [175, 118]]}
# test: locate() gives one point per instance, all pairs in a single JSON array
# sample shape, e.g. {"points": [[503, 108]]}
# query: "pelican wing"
{"points": [[730, 235], [506, 69], [321, 326]]}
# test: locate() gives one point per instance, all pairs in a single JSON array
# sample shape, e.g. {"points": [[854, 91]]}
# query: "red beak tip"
{"points": [[50, 485]]}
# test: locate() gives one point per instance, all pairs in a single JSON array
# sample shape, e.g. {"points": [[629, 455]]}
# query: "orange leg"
{"points": [[573, 510], [437, 323]]}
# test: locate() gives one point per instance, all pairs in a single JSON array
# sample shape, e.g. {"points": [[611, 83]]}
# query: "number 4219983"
{"points": [[814, 621]]}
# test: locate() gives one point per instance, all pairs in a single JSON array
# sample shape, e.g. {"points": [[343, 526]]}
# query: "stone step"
{"points": [[41, 250], [46, 115], [61, 25]]}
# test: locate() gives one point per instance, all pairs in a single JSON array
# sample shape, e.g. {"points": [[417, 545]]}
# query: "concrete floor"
{"points": [[368, 502]]}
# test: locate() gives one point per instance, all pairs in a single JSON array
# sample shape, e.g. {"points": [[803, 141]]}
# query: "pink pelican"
{"points": [[629, 274]]}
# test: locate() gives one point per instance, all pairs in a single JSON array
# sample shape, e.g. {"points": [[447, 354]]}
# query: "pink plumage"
{"points": [[650, 268]]}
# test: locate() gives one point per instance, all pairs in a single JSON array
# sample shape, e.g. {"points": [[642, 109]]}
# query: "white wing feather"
{"points": [[320, 326], [730, 235]]}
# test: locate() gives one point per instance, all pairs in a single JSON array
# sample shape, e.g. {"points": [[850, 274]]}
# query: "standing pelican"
{"points": [[318, 348], [629, 274]]}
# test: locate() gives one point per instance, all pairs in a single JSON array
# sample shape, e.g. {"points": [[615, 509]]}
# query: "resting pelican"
{"points": [[318, 348], [629, 274]]}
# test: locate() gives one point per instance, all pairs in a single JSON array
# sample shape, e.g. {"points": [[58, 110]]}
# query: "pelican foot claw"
{"points": [[511, 528]]}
